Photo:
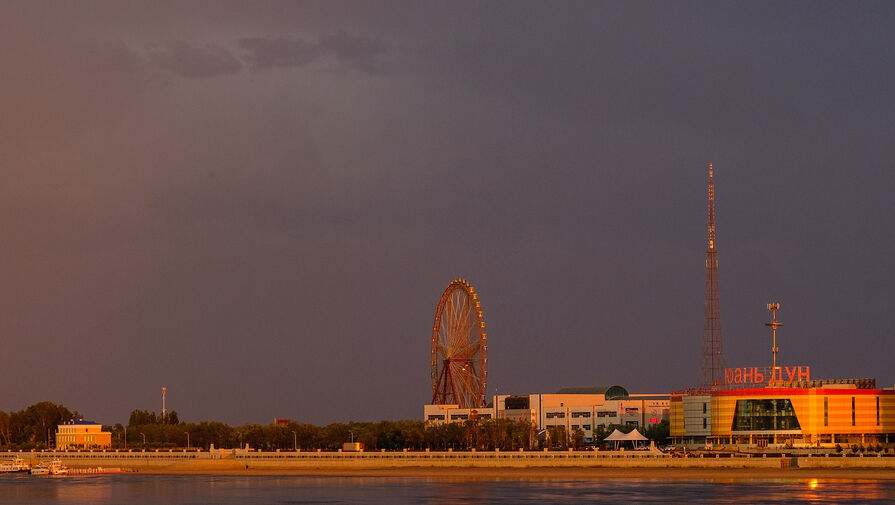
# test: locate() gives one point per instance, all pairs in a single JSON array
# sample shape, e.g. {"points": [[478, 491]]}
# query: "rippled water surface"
{"points": [[201, 489]]}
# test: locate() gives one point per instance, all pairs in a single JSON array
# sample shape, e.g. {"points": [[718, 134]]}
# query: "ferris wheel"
{"points": [[459, 348]]}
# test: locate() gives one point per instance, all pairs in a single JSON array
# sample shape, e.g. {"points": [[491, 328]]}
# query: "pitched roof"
{"points": [[635, 435], [615, 435]]}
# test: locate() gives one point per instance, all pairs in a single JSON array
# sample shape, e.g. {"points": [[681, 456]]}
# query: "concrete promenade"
{"points": [[229, 460]]}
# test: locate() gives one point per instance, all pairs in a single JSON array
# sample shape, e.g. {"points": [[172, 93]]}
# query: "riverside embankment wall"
{"points": [[234, 460]]}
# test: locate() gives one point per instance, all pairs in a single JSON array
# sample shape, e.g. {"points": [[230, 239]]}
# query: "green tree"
{"points": [[413, 431], [5, 429], [307, 436], [251, 434], [658, 432], [557, 437], [334, 435], [43, 416], [142, 417]]}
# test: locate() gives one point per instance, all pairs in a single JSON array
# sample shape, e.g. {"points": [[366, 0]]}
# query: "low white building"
{"points": [[573, 409], [438, 414]]}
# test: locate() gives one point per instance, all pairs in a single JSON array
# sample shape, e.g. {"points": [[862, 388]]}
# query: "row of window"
{"points": [[455, 417], [600, 413]]}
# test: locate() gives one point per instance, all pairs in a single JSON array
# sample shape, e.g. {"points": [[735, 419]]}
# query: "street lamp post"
{"points": [[295, 441], [187, 440], [125, 437], [144, 439]]}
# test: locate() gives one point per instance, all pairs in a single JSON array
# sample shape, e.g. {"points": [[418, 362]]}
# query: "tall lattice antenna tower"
{"points": [[712, 370]]}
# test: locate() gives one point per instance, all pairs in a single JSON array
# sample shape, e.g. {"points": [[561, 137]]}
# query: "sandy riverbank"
{"points": [[567, 473]]}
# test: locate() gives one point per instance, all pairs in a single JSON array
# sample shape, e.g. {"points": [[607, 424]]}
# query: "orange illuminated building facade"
{"points": [[850, 411], [82, 435]]}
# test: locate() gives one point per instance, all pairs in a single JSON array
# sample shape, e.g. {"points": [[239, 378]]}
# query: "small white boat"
{"points": [[41, 469], [14, 465], [57, 468], [54, 467]]}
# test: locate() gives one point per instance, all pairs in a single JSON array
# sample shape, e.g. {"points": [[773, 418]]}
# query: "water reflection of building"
{"points": [[583, 409], [797, 413]]}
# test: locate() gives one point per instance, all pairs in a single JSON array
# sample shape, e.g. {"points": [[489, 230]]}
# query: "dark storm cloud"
{"points": [[193, 60], [358, 53], [281, 237], [274, 52]]}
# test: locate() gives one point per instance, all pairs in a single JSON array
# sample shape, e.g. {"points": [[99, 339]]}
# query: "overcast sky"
{"points": [[258, 204]]}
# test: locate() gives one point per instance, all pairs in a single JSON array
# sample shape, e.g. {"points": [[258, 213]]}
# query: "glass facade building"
{"points": [[797, 416]]}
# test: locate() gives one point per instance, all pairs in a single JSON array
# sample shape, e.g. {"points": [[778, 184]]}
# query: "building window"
{"points": [[631, 423], [764, 415], [605, 413], [705, 408], [516, 402], [580, 414], [557, 415], [705, 423], [586, 427], [852, 410], [826, 410], [455, 417], [436, 417], [576, 427]]}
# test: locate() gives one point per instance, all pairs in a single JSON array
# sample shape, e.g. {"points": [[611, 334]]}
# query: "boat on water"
{"points": [[54, 467], [41, 469], [14, 465], [95, 471]]}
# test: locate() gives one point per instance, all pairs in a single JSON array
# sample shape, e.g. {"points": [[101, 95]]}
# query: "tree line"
{"points": [[35, 427]]}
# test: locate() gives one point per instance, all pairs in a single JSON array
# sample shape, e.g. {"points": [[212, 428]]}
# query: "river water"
{"points": [[136, 489]]}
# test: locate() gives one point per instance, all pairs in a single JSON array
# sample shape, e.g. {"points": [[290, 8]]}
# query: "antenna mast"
{"points": [[774, 307], [712, 368]]}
